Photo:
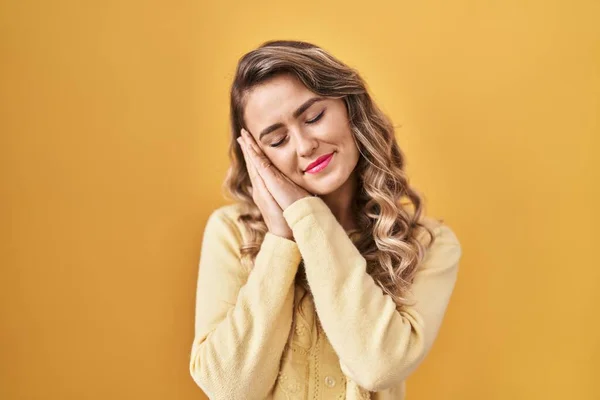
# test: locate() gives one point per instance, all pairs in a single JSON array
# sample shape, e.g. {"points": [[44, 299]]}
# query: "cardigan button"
{"points": [[330, 381]]}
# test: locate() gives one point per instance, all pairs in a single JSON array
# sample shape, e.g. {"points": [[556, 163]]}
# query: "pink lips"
{"points": [[319, 164]]}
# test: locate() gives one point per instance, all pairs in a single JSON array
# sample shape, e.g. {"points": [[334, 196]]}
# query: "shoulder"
{"points": [[446, 249], [229, 212], [442, 231], [224, 221]]}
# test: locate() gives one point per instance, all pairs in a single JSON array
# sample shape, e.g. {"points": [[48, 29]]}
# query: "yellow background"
{"points": [[114, 128]]}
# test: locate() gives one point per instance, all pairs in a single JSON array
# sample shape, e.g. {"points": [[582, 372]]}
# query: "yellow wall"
{"points": [[113, 137]]}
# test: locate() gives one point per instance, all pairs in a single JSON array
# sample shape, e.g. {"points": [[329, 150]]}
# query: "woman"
{"points": [[318, 282]]}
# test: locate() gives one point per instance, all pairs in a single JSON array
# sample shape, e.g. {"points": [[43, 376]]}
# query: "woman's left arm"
{"points": [[378, 345]]}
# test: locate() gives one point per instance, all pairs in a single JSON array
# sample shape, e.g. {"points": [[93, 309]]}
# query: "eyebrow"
{"points": [[296, 114]]}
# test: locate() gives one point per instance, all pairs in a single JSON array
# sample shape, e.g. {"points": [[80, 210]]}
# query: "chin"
{"points": [[326, 186]]}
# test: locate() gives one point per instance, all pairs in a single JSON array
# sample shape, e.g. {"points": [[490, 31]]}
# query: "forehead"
{"points": [[274, 100]]}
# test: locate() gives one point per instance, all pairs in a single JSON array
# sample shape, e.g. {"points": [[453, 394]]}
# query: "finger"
{"points": [[258, 184], [257, 178], [246, 135], [262, 163], [261, 187], [249, 164], [254, 148], [271, 177], [251, 171]]}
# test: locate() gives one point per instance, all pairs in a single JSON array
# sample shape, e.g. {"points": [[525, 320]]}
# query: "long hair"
{"points": [[390, 233]]}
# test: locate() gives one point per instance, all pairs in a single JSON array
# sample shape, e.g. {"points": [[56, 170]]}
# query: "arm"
{"points": [[378, 345], [242, 321]]}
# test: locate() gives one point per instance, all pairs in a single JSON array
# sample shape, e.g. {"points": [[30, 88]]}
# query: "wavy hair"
{"points": [[389, 231]]}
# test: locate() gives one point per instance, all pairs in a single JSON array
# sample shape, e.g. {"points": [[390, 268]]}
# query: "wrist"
{"points": [[283, 235]]}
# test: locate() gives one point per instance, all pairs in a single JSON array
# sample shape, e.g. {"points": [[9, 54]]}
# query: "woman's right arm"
{"points": [[242, 321]]}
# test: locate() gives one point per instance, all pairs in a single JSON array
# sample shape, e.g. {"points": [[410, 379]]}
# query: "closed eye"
{"points": [[278, 143], [312, 121], [315, 119]]}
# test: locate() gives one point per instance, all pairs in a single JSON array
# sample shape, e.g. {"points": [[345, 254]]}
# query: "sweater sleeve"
{"points": [[378, 345], [242, 321]]}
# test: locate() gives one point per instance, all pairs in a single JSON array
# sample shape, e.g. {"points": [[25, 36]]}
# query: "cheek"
{"points": [[279, 159], [337, 128], [342, 136]]}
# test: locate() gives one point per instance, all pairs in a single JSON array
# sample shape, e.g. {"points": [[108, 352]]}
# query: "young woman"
{"points": [[323, 280]]}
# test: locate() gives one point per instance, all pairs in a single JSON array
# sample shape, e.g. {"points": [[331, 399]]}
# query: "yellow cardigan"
{"points": [[254, 339]]}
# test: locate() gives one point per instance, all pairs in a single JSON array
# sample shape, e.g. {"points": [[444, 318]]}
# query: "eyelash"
{"points": [[312, 121]]}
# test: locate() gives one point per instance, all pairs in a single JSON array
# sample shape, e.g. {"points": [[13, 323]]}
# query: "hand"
{"points": [[284, 191], [269, 208]]}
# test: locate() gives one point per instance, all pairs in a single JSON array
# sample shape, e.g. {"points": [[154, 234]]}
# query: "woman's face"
{"points": [[294, 127]]}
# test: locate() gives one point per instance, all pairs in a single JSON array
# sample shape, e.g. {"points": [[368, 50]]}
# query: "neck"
{"points": [[340, 203]]}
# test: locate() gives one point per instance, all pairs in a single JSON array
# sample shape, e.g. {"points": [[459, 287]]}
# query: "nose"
{"points": [[305, 144]]}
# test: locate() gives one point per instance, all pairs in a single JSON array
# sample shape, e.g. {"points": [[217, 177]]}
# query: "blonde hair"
{"points": [[389, 232]]}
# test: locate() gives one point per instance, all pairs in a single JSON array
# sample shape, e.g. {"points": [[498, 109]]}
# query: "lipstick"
{"points": [[319, 164]]}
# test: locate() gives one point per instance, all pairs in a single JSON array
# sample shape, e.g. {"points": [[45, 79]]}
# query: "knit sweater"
{"points": [[259, 335]]}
